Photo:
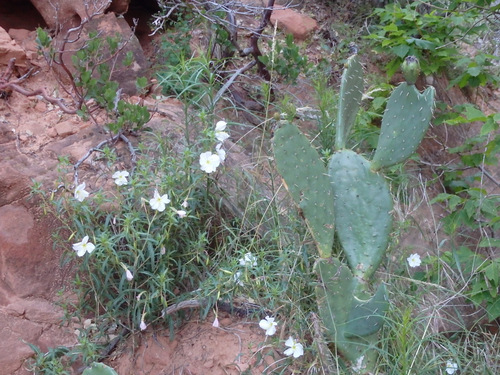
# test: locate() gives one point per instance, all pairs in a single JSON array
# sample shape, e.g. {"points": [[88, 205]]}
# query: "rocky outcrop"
{"points": [[60, 14], [10, 49]]}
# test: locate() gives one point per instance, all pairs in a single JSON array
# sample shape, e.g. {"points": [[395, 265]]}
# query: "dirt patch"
{"points": [[235, 347]]}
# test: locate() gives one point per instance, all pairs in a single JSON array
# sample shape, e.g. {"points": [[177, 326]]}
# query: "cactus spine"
{"points": [[355, 196]]}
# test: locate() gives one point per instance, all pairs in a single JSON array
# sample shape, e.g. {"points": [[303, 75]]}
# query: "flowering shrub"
{"points": [[148, 250]]}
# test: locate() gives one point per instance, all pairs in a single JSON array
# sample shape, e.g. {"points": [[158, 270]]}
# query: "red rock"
{"points": [[10, 49], [66, 128], [297, 24], [70, 13]]}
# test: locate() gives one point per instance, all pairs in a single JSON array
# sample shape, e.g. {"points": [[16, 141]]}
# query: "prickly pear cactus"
{"points": [[362, 205], [99, 369], [306, 180], [351, 92], [405, 122], [353, 194]]}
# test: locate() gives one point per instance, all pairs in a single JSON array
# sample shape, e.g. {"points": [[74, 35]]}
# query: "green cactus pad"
{"points": [[341, 310], [99, 369], [405, 122], [367, 317], [351, 92], [306, 180], [362, 205]]}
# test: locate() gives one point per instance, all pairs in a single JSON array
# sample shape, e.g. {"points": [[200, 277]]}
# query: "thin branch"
{"points": [[97, 148], [56, 101], [489, 175], [230, 81]]}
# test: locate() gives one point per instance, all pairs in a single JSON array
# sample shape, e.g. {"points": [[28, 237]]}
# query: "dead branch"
{"points": [[97, 148], [254, 39], [14, 86], [230, 81]]}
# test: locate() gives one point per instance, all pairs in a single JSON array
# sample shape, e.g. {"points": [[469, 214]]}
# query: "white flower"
{"points": [[209, 162], [269, 325], [83, 247], [294, 348], [80, 193], [181, 213], [236, 278], [129, 275], [158, 201], [220, 126], [143, 325], [220, 134], [451, 367], [414, 260], [220, 152], [249, 260], [184, 204], [120, 177]]}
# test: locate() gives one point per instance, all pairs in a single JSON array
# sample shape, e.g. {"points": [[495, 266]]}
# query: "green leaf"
{"points": [[493, 309], [474, 114], [423, 44], [452, 199], [401, 50], [490, 242], [490, 125], [474, 71], [142, 82], [492, 272]]}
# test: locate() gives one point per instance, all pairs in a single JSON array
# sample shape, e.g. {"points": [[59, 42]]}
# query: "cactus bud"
{"points": [[411, 69]]}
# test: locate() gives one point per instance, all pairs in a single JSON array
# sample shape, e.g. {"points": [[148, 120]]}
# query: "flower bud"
{"points": [[411, 69]]}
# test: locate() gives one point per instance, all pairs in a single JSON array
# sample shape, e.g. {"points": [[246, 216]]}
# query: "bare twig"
{"points": [[97, 148], [230, 81], [57, 101]]}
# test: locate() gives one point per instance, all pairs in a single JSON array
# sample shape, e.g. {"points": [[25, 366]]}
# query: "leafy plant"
{"points": [[53, 362], [472, 207], [93, 66], [286, 60], [479, 275], [431, 33]]}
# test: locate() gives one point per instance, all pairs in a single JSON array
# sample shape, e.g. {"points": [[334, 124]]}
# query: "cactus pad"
{"points": [[351, 92], [362, 205], [351, 321], [99, 369], [406, 119], [307, 182]]}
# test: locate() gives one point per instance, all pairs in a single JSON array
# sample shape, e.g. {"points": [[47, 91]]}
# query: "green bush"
{"points": [[434, 33]]}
